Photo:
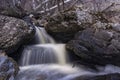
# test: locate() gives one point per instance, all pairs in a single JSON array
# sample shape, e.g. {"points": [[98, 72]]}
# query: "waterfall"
{"points": [[45, 51], [41, 36], [47, 60]]}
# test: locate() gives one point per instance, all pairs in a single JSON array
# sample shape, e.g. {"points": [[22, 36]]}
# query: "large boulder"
{"points": [[63, 26], [8, 68], [101, 46], [13, 33]]}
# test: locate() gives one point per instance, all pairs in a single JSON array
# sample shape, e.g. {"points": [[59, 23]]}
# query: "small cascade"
{"points": [[45, 51], [41, 36]]}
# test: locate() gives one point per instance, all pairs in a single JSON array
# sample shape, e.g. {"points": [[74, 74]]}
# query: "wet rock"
{"points": [[13, 33], [8, 68], [98, 47], [113, 76]]}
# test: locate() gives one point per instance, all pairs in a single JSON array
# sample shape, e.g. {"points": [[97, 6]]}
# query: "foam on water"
{"points": [[60, 72], [43, 53], [48, 71]]}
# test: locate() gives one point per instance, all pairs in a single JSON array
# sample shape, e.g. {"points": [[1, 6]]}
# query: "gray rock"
{"points": [[99, 42], [63, 26], [96, 47], [13, 33]]}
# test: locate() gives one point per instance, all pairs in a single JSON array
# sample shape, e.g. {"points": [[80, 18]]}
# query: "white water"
{"points": [[48, 72], [41, 36], [43, 53], [60, 72]]}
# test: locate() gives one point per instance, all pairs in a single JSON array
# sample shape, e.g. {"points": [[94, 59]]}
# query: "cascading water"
{"points": [[45, 51], [44, 58], [47, 60], [42, 36]]}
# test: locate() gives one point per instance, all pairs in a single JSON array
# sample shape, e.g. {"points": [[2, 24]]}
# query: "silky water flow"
{"points": [[47, 60]]}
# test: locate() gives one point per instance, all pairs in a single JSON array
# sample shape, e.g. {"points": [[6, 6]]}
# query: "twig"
{"points": [[72, 5], [113, 4]]}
